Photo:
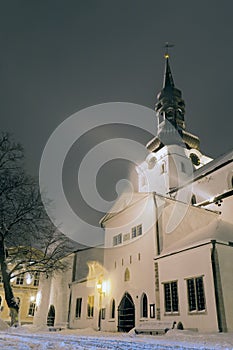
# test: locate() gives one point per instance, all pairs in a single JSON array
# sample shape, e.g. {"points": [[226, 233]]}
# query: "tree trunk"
{"points": [[12, 302]]}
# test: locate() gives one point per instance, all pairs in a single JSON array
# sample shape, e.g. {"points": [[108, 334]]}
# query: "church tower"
{"points": [[174, 152]]}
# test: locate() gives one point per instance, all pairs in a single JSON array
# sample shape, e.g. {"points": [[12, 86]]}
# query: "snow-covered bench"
{"points": [[154, 327], [58, 327]]}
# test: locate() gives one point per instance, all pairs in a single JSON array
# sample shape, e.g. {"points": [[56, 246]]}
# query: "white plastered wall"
{"points": [[187, 264]]}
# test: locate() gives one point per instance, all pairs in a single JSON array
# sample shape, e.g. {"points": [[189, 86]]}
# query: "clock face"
{"points": [[195, 159]]}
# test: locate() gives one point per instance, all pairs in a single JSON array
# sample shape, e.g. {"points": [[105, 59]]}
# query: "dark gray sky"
{"points": [[57, 57]]}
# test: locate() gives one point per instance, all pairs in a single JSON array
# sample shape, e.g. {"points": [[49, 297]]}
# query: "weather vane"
{"points": [[167, 46]]}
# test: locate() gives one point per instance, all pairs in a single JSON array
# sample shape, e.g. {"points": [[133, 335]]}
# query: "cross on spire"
{"points": [[167, 46]]}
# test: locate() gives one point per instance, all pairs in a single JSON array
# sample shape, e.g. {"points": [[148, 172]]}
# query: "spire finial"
{"points": [[167, 46], [168, 79]]}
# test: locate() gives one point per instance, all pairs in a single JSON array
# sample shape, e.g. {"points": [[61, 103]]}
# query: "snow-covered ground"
{"points": [[29, 337]]}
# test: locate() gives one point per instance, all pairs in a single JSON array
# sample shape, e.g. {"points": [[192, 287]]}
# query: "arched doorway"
{"points": [[126, 314], [51, 316]]}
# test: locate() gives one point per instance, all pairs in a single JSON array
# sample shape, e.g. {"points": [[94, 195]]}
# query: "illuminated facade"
{"points": [[25, 288], [169, 252]]}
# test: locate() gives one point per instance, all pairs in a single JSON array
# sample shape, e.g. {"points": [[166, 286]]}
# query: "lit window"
{"points": [[19, 280], [90, 306], [171, 297], [36, 279], [117, 239], [32, 308], [127, 275], [152, 310], [144, 306], [112, 309], [196, 295]]}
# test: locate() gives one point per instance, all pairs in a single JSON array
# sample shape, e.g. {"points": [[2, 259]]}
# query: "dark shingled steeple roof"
{"points": [[170, 110]]}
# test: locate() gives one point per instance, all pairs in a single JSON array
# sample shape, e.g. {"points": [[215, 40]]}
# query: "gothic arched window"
{"points": [[193, 199], [144, 306]]}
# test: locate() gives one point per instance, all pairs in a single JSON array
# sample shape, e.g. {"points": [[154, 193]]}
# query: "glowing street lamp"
{"points": [[103, 288], [99, 287]]}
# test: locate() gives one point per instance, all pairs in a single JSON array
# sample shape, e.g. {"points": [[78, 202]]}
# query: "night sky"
{"points": [[58, 57]]}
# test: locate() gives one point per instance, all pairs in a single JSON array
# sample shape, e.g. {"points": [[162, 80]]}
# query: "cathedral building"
{"points": [[169, 252]]}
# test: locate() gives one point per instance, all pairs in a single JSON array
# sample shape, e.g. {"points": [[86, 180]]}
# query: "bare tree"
{"points": [[29, 242]]}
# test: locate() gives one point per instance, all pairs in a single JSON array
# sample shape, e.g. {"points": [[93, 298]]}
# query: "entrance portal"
{"points": [[51, 316], [126, 314]]}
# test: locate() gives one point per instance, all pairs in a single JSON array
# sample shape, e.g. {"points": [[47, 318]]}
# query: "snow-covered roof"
{"points": [[214, 165], [125, 201], [210, 167], [218, 230]]}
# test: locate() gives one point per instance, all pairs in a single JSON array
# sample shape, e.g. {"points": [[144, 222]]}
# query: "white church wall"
{"points": [[137, 257], [225, 260], [179, 220], [83, 290], [42, 301], [140, 212], [166, 169], [189, 264], [54, 291]]}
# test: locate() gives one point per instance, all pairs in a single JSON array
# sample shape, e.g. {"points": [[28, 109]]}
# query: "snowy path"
{"points": [[23, 339]]}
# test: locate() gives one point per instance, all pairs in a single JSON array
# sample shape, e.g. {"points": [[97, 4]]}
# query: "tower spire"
{"points": [[168, 79], [170, 111]]}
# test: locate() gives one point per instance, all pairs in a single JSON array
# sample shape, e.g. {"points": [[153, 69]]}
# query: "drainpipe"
{"points": [[157, 224], [221, 317], [156, 267], [73, 273], [69, 306]]}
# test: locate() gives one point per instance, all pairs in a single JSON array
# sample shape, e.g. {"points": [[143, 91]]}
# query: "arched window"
{"points": [[51, 316], [193, 199], [163, 168], [144, 306], [112, 308], [127, 275]]}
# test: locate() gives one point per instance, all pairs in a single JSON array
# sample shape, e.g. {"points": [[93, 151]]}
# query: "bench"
{"points": [[55, 329], [58, 327], [155, 327]]}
